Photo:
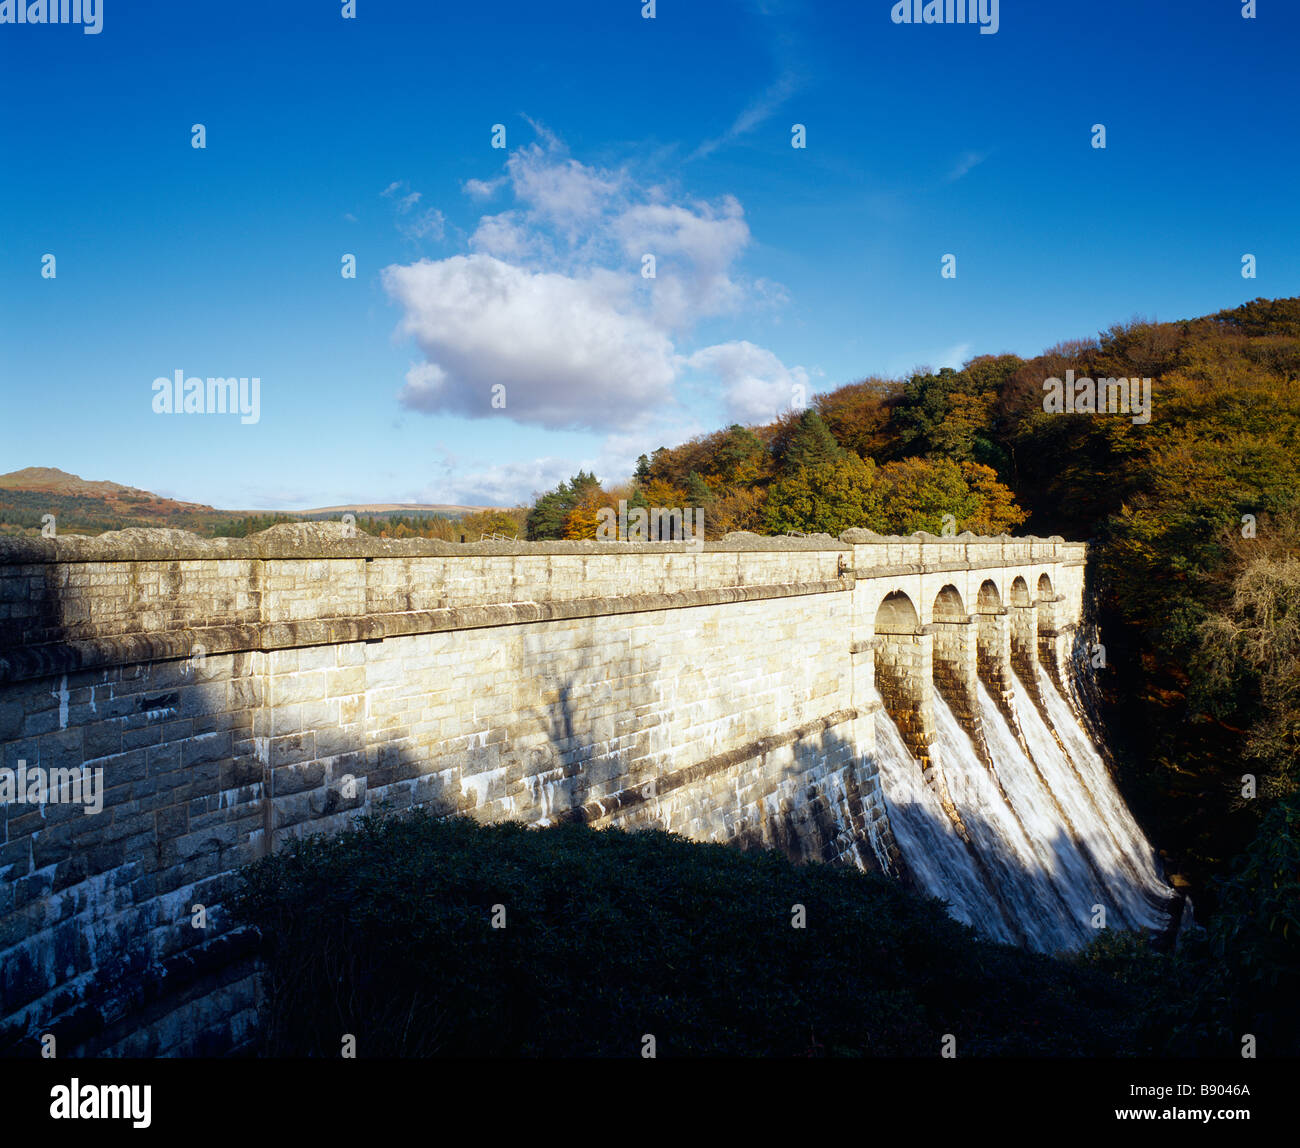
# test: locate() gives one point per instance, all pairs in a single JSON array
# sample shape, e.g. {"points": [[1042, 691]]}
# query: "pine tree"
{"points": [[811, 444], [697, 491]]}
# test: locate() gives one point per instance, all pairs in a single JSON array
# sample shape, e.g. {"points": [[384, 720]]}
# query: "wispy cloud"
{"points": [[759, 110], [482, 188], [968, 161], [427, 224], [933, 359]]}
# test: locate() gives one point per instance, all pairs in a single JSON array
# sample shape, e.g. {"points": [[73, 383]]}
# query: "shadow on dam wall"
{"points": [[99, 947]]}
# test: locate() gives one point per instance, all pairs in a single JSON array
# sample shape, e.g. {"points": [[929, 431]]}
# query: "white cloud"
{"points": [[551, 302], [482, 188], [568, 351], [509, 484], [694, 248], [504, 236], [757, 386], [560, 190], [431, 224]]}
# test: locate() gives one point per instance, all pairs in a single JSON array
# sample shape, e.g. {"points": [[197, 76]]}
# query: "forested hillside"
{"points": [[1194, 515]]}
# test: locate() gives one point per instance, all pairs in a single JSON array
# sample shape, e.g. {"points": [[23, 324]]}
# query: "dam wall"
{"points": [[230, 695]]}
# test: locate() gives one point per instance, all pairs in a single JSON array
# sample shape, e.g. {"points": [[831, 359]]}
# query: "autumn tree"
{"points": [[484, 522], [858, 415], [829, 497], [550, 512], [737, 509], [1248, 659], [916, 494], [582, 520], [996, 511]]}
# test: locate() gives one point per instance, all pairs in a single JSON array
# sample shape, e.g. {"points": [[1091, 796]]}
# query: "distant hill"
{"points": [[55, 481], [380, 508], [83, 506]]}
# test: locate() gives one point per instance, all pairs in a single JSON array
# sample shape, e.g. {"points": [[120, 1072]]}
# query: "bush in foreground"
{"points": [[386, 932]]}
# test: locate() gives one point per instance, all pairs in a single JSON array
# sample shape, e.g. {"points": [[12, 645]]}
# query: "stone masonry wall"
{"points": [[238, 693]]}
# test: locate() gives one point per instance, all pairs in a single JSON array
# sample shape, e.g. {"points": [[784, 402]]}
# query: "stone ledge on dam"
{"points": [[234, 694]]}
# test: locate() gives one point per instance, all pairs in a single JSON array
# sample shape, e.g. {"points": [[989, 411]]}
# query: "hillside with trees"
{"points": [[1194, 518]]}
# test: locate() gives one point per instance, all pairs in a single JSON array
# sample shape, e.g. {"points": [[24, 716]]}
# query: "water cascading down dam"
{"points": [[903, 705]]}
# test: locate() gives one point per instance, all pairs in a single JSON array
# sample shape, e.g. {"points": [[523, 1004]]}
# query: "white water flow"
{"points": [[935, 856], [1049, 837]]}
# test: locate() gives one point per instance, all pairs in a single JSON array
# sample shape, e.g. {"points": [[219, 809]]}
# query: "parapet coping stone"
{"points": [[313, 540]]}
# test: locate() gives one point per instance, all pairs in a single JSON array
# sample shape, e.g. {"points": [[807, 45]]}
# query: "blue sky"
{"points": [[479, 267]]}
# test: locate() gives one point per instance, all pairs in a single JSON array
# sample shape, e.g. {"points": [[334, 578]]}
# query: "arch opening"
{"points": [[992, 642], [948, 605], [903, 656], [1024, 635], [955, 658], [988, 600], [1020, 592], [897, 615]]}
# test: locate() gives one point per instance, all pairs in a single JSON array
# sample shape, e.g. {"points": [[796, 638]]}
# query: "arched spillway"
{"points": [[999, 801]]}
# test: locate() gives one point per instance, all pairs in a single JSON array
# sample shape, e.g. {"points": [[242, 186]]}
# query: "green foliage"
{"points": [[248, 525], [1248, 660], [828, 498], [810, 444], [1264, 317], [897, 498], [550, 513], [916, 494], [1254, 940], [387, 931], [697, 490], [1239, 976]]}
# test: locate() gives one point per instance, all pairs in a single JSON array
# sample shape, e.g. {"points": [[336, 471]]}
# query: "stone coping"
{"points": [[320, 540], [48, 659]]}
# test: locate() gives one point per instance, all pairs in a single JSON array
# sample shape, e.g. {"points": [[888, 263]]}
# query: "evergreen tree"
{"points": [[549, 515], [811, 444], [697, 491]]}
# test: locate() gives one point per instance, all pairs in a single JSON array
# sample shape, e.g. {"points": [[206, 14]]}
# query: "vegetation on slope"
{"points": [[386, 932]]}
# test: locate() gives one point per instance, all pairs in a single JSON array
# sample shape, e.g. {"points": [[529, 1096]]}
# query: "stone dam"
{"points": [[234, 694]]}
